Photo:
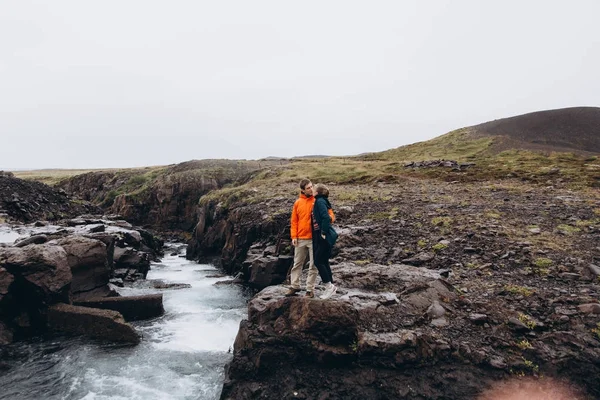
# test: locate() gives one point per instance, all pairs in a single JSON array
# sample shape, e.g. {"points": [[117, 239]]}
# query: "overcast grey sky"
{"points": [[89, 84]]}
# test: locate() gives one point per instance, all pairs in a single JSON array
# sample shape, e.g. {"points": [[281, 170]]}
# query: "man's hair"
{"points": [[304, 182], [321, 189]]}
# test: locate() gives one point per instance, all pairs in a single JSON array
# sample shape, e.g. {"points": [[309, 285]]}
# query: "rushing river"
{"points": [[182, 354]]}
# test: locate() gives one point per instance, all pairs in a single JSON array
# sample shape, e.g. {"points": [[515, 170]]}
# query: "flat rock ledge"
{"points": [[92, 322], [132, 308]]}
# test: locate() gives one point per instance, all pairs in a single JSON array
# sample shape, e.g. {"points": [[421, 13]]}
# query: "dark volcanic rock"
{"points": [[42, 270], [130, 259], [269, 270], [27, 201], [89, 262], [92, 322], [131, 307]]}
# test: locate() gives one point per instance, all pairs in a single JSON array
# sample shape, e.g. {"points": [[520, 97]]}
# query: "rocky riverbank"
{"points": [[46, 273]]}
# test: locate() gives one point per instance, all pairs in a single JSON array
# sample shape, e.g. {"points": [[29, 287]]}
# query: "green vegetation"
{"points": [[457, 145], [524, 344], [493, 214], [442, 221], [597, 330], [543, 262], [53, 176], [520, 290], [530, 365], [527, 320], [567, 229], [439, 247]]}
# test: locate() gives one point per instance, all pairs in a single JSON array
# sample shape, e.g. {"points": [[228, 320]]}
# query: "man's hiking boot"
{"points": [[292, 292], [310, 294], [329, 292]]}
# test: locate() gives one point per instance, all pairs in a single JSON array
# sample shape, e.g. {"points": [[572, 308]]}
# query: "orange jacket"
{"points": [[300, 223]]}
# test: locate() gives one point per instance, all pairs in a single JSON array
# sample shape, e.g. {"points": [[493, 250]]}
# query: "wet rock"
{"points": [[132, 308], [128, 258], [45, 267], [132, 238], [36, 239], [89, 262], [269, 270], [117, 282], [92, 322], [97, 293], [97, 228]]}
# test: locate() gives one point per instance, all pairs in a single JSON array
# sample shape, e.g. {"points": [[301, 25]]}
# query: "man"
{"points": [[301, 233]]}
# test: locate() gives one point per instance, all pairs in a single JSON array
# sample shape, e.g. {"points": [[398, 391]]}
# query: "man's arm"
{"points": [[294, 224]]}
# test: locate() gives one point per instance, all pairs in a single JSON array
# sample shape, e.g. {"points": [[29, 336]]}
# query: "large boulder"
{"points": [[31, 278], [135, 262], [131, 307], [42, 271], [92, 322], [89, 263], [269, 270]]}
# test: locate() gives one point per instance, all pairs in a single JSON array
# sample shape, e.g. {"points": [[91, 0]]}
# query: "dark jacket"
{"points": [[322, 219]]}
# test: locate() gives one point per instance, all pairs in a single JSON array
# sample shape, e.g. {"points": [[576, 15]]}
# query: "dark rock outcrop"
{"points": [[231, 232], [27, 201], [42, 270], [165, 198], [32, 278], [89, 262]]}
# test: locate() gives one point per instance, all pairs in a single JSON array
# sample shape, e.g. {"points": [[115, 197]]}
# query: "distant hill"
{"points": [[574, 129]]}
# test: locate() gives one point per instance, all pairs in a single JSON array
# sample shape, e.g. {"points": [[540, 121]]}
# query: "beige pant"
{"points": [[303, 248]]}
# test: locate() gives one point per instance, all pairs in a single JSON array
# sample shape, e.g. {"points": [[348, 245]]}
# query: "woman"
{"points": [[324, 237]]}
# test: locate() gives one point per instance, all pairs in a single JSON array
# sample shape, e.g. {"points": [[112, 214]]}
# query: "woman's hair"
{"points": [[321, 189]]}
